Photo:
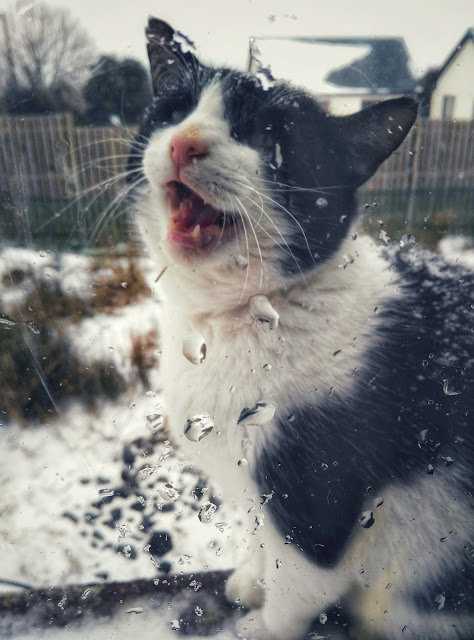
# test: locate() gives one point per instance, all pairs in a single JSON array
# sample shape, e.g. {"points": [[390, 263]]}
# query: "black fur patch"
{"points": [[412, 406]]}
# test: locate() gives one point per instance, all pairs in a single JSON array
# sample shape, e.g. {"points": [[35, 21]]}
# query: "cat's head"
{"points": [[246, 174]]}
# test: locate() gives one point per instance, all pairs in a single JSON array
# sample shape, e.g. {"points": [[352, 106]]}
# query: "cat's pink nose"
{"points": [[185, 148]]}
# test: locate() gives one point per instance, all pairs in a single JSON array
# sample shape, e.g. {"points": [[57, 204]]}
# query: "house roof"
{"points": [[336, 65], [469, 35]]}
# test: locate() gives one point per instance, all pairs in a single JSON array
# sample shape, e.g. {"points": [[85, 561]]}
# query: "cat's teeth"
{"points": [[196, 231]]}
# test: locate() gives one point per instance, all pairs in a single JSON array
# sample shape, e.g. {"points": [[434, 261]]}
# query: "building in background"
{"points": [[345, 74], [453, 94]]}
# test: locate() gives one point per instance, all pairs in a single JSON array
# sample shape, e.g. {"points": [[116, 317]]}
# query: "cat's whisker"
{"points": [[221, 233], [76, 200], [294, 188], [248, 252], [288, 250], [263, 195], [96, 163], [128, 142], [249, 217], [99, 227]]}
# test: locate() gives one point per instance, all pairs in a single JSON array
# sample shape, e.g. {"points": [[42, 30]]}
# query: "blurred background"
{"points": [[85, 446]]}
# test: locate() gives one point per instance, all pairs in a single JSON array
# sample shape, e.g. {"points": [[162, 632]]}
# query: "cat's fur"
{"points": [[366, 356]]}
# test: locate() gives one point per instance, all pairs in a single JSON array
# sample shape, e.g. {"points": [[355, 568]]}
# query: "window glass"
{"points": [[236, 254]]}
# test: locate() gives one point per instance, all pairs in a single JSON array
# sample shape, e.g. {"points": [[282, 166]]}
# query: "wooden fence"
{"points": [[47, 158]]}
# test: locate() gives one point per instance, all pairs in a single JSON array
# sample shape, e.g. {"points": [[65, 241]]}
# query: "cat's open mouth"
{"points": [[194, 222]]}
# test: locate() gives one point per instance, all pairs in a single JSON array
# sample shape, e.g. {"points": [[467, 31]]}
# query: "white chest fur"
{"points": [[323, 333]]}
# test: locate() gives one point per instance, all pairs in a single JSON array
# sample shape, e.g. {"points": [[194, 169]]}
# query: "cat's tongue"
{"points": [[188, 224]]}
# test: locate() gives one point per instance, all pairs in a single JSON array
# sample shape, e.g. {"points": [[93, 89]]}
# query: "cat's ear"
{"points": [[372, 134], [170, 55]]}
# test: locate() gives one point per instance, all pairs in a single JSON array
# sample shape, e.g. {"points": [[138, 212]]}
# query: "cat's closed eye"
{"points": [[178, 115]]}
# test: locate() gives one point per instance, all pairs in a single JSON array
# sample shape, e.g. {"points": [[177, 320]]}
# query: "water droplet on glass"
{"points": [[449, 388], [265, 78], [378, 502], [123, 530], [267, 367], [266, 497], [384, 239], [155, 421], [243, 462], [195, 584], [323, 618], [366, 519], [198, 611], [241, 262], [168, 492], [260, 414], [134, 610], [258, 524], [198, 427], [440, 600], [32, 326], [430, 469], [62, 602], [106, 492], [6, 322], [278, 156], [194, 348], [62, 146], [321, 203], [207, 512], [407, 240], [124, 284], [262, 311], [222, 526], [175, 625], [278, 563]]}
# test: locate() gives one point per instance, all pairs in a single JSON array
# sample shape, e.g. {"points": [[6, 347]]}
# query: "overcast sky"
{"points": [[221, 28]]}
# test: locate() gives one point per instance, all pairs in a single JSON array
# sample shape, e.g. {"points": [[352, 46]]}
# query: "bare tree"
{"points": [[45, 59]]}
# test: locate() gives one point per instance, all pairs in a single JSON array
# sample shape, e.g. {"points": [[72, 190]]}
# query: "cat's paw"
{"points": [[269, 624], [245, 589], [252, 627]]}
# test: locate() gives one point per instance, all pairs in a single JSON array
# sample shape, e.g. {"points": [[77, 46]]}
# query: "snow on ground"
{"points": [[75, 503], [53, 476], [109, 337], [458, 250]]}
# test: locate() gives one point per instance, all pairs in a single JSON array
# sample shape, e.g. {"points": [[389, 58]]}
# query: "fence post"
{"points": [[71, 136], [414, 169]]}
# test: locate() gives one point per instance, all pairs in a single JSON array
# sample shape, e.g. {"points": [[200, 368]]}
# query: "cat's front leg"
{"points": [[245, 586], [296, 592]]}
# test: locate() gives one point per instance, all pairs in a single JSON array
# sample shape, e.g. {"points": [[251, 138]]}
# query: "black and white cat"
{"points": [[338, 375]]}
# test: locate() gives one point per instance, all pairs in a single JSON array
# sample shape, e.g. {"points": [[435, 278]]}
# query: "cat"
{"points": [[325, 383]]}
